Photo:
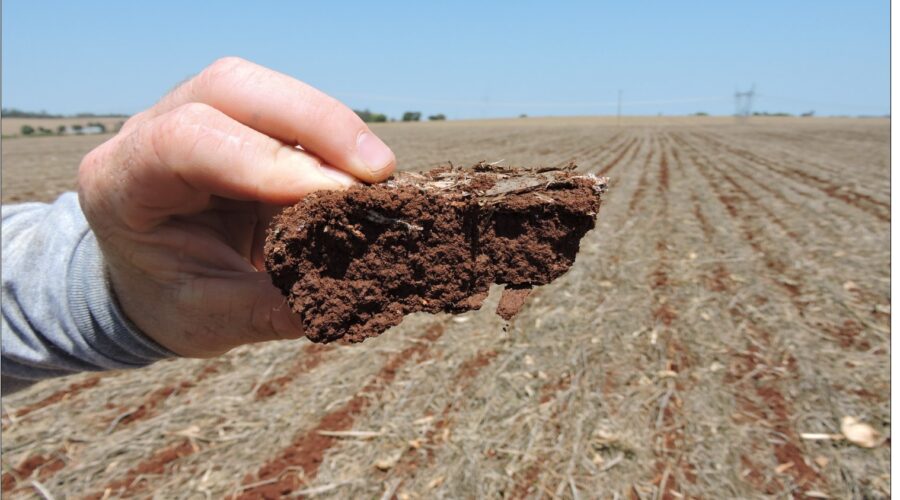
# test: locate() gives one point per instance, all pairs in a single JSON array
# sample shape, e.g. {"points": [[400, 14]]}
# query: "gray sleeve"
{"points": [[60, 315]]}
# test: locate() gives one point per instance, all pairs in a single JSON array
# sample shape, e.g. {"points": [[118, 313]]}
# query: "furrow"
{"points": [[298, 464]]}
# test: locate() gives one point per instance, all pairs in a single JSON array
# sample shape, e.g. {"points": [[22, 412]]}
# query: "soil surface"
{"points": [[352, 264], [734, 295]]}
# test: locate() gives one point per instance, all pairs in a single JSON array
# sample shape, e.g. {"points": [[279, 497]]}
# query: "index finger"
{"points": [[288, 110]]}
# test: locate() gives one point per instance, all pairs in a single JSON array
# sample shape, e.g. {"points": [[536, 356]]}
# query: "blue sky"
{"points": [[464, 59]]}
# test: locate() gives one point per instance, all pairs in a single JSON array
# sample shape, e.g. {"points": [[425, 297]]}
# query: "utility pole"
{"points": [[619, 109], [743, 103]]}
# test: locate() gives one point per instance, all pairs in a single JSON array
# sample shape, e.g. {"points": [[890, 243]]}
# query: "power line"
{"points": [[518, 104], [744, 101]]}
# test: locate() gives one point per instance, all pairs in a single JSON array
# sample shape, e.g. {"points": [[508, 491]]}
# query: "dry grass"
{"points": [[734, 295]]}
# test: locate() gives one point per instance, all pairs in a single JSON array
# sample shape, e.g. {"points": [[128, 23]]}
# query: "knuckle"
{"points": [[96, 188], [227, 63], [86, 178], [220, 70], [175, 132], [133, 122], [89, 169], [90, 162], [192, 113]]}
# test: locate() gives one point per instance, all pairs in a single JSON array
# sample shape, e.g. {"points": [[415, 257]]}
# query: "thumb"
{"points": [[226, 312]]}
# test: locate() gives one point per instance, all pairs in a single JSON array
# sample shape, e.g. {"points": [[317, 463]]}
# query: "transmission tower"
{"points": [[743, 103]]}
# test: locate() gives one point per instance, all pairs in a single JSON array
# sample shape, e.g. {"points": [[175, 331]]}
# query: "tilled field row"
{"points": [[732, 297]]}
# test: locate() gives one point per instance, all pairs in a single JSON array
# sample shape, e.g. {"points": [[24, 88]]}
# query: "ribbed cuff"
{"points": [[97, 313]]}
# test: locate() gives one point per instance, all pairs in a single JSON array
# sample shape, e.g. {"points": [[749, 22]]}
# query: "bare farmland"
{"points": [[734, 296]]}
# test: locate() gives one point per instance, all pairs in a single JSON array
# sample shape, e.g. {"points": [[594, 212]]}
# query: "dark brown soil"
{"points": [[353, 263]]}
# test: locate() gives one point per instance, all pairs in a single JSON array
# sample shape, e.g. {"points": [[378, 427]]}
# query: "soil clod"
{"points": [[353, 263]]}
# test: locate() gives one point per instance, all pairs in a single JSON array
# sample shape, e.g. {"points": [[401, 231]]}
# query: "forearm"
{"points": [[60, 315]]}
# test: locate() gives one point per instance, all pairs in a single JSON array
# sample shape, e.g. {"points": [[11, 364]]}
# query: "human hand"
{"points": [[181, 197]]}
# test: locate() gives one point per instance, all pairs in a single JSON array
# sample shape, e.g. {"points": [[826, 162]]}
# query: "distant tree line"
{"points": [[78, 129], [414, 116], [409, 116], [766, 113], [370, 117], [18, 113], [95, 115]]}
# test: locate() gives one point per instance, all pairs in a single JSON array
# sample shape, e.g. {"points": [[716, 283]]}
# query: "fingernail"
{"points": [[374, 153], [340, 176]]}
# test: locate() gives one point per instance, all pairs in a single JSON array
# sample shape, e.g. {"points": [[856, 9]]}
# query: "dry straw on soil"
{"points": [[730, 309]]}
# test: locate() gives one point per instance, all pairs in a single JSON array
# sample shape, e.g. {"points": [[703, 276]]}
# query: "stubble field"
{"points": [[734, 296]]}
